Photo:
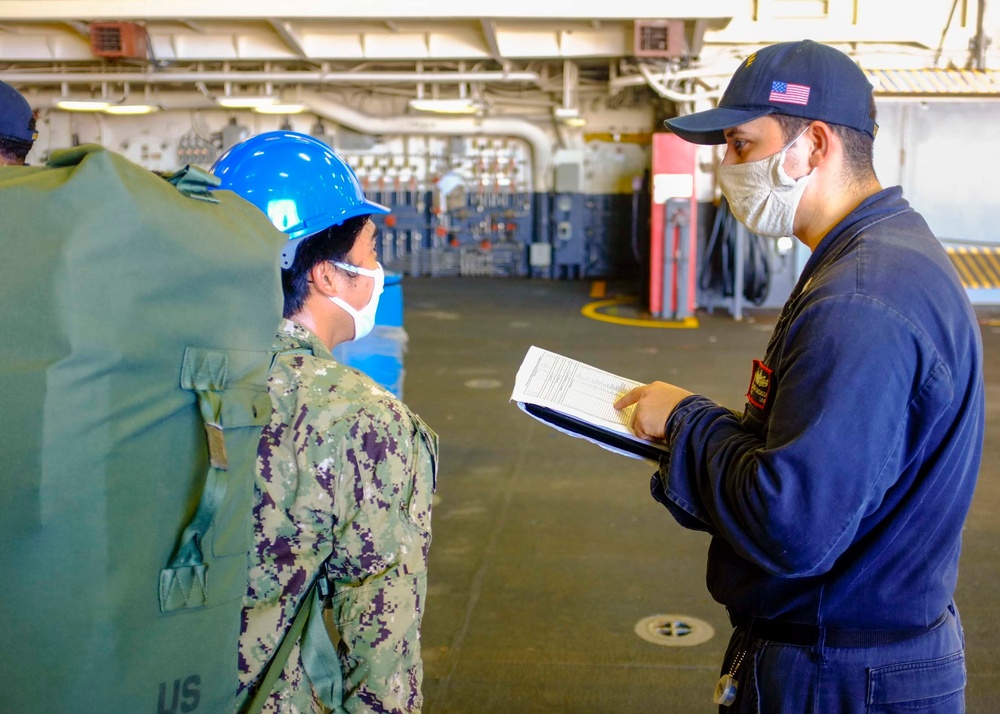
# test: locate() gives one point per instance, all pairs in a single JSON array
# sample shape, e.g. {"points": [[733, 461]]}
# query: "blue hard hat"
{"points": [[302, 184]]}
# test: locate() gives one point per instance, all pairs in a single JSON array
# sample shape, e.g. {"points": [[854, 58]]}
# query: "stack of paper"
{"points": [[578, 400]]}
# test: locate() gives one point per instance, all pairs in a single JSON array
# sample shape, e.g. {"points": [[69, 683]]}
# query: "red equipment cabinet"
{"points": [[674, 162]]}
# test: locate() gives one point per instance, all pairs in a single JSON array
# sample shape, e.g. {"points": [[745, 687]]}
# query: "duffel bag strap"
{"points": [[319, 651], [319, 648]]}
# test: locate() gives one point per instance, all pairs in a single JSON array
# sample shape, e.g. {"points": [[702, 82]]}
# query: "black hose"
{"points": [[719, 260], [756, 269], [635, 227]]}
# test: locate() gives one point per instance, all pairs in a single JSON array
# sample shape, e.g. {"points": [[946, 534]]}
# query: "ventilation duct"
{"points": [[119, 40]]}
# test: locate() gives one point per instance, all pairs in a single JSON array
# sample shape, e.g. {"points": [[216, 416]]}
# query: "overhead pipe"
{"points": [[618, 82], [422, 125], [320, 78], [428, 125], [675, 96], [981, 40]]}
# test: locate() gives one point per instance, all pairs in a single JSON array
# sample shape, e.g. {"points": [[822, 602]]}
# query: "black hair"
{"points": [[14, 151], [330, 244], [859, 147]]}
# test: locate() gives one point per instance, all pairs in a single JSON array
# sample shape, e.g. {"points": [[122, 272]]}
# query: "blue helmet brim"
{"points": [[304, 230]]}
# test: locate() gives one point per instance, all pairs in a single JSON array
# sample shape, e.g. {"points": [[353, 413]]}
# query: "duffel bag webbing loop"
{"points": [[184, 582]]}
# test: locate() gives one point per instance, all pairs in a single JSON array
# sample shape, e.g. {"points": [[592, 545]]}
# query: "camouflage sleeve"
{"points": [[381, 535]]}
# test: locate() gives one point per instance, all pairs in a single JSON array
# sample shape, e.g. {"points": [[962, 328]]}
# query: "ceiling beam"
{"points": [[139, 77], [490, 36], [395, 9], [694, 33], [284, 31], [81, 28]]}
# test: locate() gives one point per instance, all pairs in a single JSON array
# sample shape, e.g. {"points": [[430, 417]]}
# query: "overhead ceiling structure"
{"points": [[194, 54], [516, 57]]}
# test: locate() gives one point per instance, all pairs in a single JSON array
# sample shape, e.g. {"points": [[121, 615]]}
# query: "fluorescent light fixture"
{"points": [[461, 105], [280, 109], [575, 122], [247, 102], [83, 105], [131, 109]]}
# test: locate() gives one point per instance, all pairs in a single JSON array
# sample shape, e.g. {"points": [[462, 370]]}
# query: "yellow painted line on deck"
{"points": [[592, 310]]}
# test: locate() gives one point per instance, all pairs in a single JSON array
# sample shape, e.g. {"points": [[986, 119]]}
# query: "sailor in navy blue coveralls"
{"points": [[836, 499]]}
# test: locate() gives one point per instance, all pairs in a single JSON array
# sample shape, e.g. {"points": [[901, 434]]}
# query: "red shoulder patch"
{"points": [[760, 385]]}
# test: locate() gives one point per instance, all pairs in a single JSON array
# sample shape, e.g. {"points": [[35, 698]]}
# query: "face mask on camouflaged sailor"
{"points": [[364, 319]]}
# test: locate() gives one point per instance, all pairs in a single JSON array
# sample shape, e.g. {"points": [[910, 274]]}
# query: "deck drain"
{"points": [[674, 630], [483, 383]]}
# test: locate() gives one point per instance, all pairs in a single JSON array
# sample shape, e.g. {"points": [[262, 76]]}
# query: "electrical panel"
{"points": [[460, 205], [663, 39], [194, 150]]}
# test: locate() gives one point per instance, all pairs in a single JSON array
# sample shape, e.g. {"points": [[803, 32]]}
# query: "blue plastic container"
{"points": [[390, 306]]}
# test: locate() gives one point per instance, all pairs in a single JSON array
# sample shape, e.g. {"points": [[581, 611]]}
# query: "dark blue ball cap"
{"points": [[17, 121], [802, 79]]}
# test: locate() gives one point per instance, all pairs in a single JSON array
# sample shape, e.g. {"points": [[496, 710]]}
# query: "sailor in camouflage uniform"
{"points": [[345, 471]]}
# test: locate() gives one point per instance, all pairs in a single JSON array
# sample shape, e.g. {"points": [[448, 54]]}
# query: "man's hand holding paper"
{"points": [[654, 403]]}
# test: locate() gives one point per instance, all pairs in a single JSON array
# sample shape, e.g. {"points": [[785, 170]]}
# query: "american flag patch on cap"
{"points": [[786, 93]]}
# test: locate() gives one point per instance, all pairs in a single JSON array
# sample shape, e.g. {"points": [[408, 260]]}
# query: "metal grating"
{"points": [[944, 82]]}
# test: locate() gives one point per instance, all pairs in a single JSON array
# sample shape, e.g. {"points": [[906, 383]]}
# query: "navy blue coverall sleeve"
{"points": [[854, 382]]}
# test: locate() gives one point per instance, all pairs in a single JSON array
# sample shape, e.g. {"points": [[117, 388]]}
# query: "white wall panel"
{"points": [[945, 158]]}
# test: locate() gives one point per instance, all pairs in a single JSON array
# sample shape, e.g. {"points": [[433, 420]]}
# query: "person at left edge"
{"points": [[17, 127], [345, 471]]}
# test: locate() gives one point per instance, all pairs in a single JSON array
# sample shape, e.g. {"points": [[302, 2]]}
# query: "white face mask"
{"points": [[364, 319], [762, 196]]}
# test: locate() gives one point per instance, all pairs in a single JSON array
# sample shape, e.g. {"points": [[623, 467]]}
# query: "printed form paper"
{"points": [[576, 389]]}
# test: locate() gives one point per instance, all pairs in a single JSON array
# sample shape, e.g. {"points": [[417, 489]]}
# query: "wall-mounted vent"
{"points": [[658, 38], [118, 40]]}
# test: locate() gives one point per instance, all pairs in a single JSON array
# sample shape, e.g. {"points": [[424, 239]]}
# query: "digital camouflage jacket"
{"points": [[345, 474]]}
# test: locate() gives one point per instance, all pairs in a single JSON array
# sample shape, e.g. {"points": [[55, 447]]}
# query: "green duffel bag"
{"points": [[135, 340]]}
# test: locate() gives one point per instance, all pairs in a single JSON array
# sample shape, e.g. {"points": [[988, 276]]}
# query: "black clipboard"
{"points": [[643, 449]]}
